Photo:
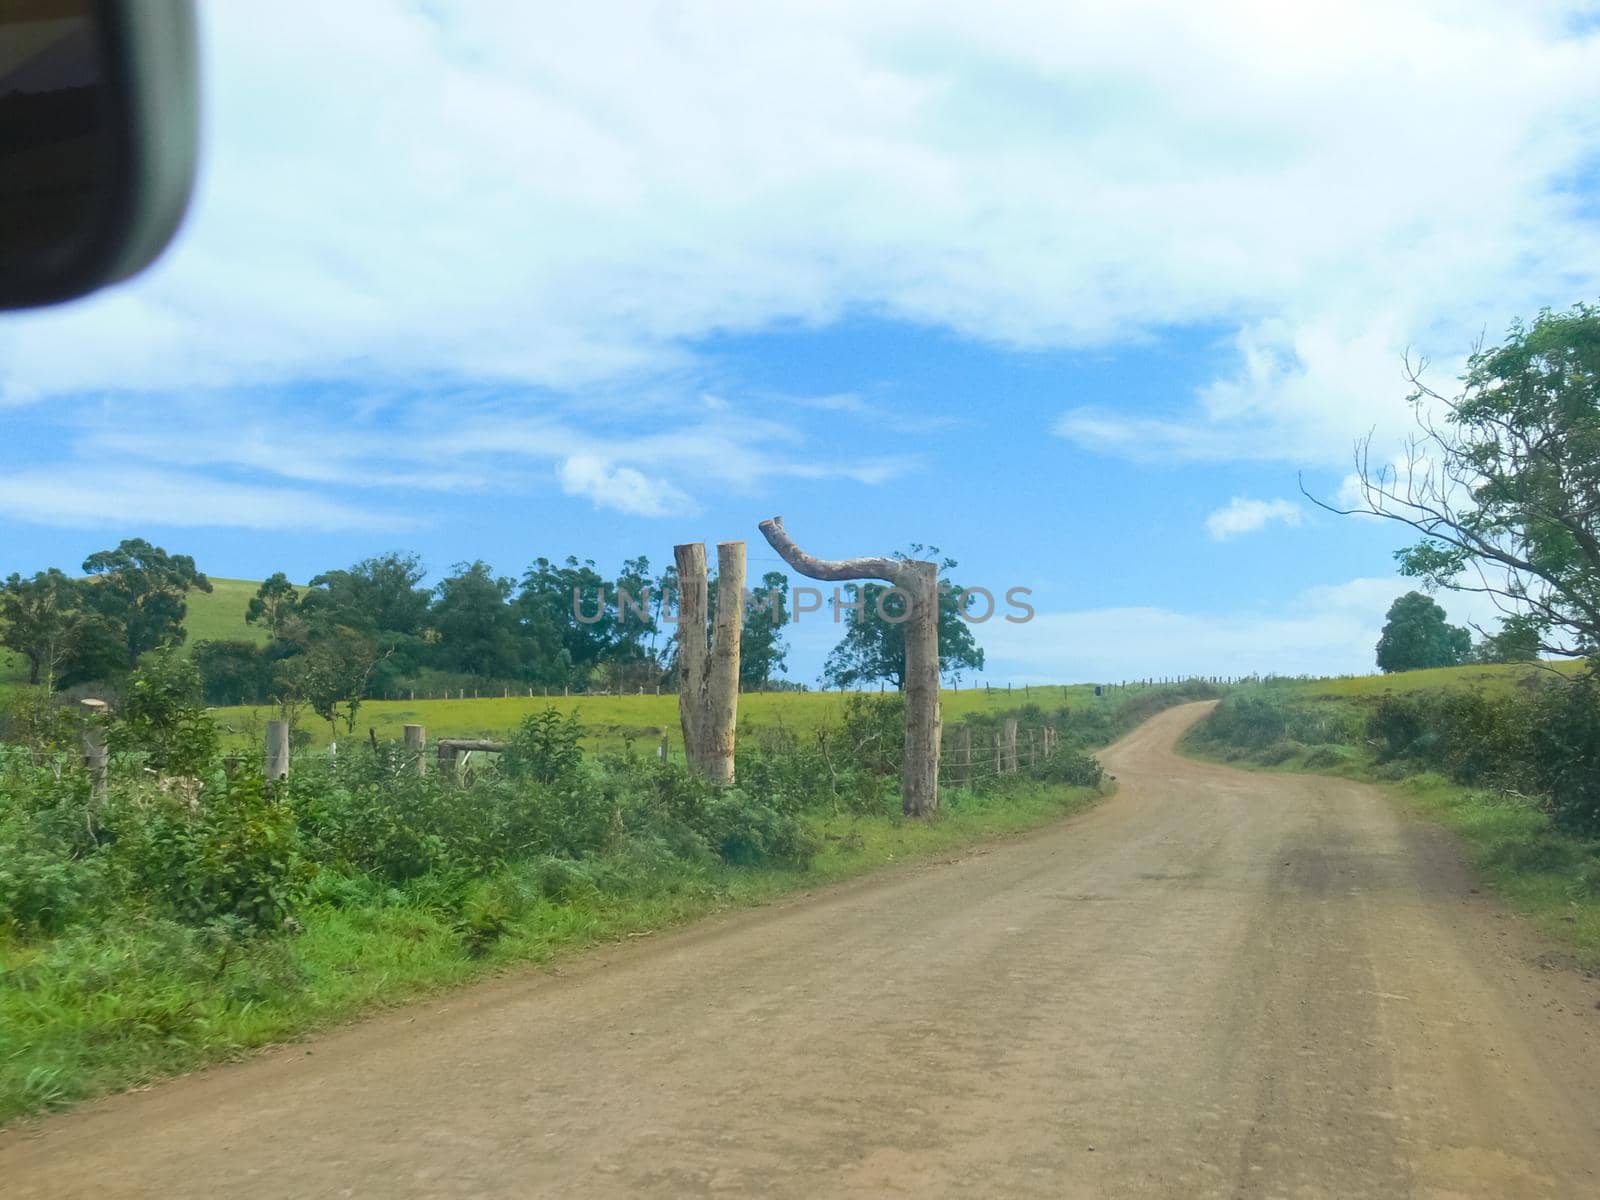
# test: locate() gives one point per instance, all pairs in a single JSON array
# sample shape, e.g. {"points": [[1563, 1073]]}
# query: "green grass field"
{"points": [[612, 721], [1495, 677]]}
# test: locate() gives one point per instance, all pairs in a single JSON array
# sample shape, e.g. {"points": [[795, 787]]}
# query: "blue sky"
{"points": [[1074, 292]]}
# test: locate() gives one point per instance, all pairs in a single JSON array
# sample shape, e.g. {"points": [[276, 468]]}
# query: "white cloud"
{"points": [[621, 488], [1241, 515], [563, 200], [1326, 630], [85, 496]]}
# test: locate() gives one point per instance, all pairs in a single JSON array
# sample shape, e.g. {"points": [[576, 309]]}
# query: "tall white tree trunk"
{"points": [[708, 674], [920, 582]]}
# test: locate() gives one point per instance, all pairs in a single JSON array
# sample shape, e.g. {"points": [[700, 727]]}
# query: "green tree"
{"points": [[1416, 636], [567, 611], [275, 604], [1515, 642], [378, 600], [140, 592], [379, 595], [475, 625], [43, 618], [1502, 480], [331, 674], [874, 645], [233, 672], [762, 652]]}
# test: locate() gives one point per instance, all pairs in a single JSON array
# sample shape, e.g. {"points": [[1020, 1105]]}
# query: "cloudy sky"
{"points": [[1074, 291]]}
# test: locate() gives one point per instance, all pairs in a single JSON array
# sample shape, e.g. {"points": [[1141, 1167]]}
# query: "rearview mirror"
{"points": [[98, 129]]}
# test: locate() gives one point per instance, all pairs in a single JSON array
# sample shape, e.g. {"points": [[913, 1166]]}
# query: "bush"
{"points": [[545, 748], [162, 714], [42, 892], [1071, 767], [1278, 753], [1564, 749], [1252, 719], [747, 831], [227, 850]]}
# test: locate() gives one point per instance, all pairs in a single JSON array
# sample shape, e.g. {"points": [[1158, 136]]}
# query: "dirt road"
{"points": [[1215, 984]]}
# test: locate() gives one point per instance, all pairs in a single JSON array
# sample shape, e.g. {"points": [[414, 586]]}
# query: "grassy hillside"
{"points": [[220, 616], [1493, 678]]}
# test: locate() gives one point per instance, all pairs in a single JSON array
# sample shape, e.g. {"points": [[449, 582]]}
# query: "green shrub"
{"points": [[43, 891], [1252, 719], [1278, 753], [748, 831], [1071, 767], [229, 849], [545, 747], [162, 714], [1564, 750]]}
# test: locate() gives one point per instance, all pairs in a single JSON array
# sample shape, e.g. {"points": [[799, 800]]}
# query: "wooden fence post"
{"points": [[417, 746], [277, 749], [1011, 744], [963, 755], [96, 759]]}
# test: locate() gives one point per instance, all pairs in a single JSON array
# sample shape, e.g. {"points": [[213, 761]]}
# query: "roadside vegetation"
{"points": [[193, 910], [1513, 769]]}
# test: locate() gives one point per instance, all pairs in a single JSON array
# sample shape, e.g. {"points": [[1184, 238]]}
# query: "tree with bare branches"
{"points": [[1502, 480], [919, 581]]}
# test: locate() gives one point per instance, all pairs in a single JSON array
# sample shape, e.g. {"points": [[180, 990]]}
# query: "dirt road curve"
{"points": [[1215, 984]]}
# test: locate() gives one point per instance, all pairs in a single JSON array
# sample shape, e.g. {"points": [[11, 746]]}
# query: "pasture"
{"points": [[611, 722]]}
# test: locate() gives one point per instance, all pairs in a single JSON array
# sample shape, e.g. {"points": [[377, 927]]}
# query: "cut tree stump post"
{"points": [[96, 759], [920, 583], [277, 749], [708, 673], [417, 747]]}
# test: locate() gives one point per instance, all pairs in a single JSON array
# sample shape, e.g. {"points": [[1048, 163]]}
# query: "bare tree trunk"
{"points": [[708, 682], [277, 749], [920, 582], [920, 778]]}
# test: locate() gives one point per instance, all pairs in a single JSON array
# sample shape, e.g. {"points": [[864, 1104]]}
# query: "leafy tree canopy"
{"points": [[1503, 480], [762, 651], [139, 590], [1416, 636], [874, 645], [44, 618]]}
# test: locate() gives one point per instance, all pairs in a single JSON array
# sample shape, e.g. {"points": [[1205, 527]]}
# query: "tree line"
{"points": [[375, 628]]}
